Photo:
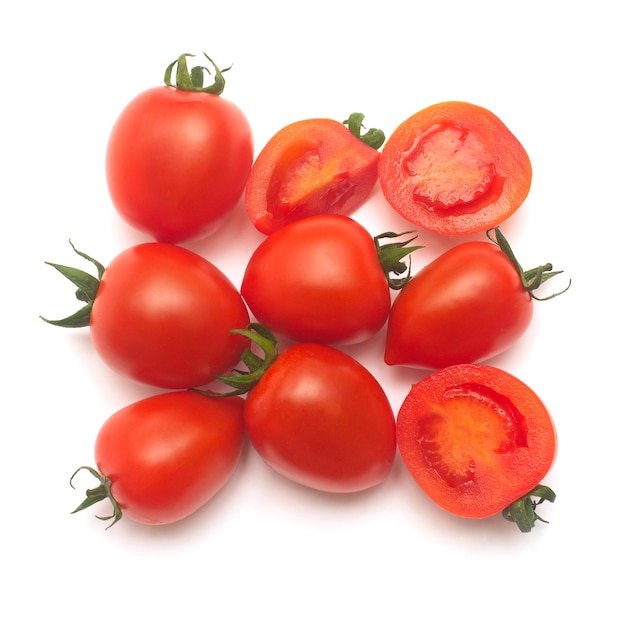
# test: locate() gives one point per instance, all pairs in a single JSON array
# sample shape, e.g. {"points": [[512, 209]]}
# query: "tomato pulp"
{"points": [[307, 168], [454, 168], [475, 439]]}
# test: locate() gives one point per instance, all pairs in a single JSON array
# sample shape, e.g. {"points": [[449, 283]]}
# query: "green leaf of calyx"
{"points": [[193, 80], [531, 279], [97, 494], [87, 289], [243, 381], [523, 511], [391, 255], [374, 137]]}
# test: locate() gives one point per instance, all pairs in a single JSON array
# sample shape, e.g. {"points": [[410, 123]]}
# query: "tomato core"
{"points": [[473, 421]]}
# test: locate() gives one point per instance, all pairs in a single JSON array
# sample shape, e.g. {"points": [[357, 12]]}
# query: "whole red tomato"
{"points": [[316, 415], [178, 157], [477, 440], [322, 279], [163, 457], [162, 315], [468, 305]]}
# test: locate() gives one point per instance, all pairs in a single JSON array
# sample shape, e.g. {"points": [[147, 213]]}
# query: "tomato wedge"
{"points": [[475, 439], [454, 168], [310, 167]]}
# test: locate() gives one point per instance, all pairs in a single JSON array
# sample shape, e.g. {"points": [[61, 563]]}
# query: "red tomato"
{"points": [[178, 159], [454, 168], [475, 439], [161, 315], [320, 280], [311, 167], [468, 305], [163, 457], [320, 418]]}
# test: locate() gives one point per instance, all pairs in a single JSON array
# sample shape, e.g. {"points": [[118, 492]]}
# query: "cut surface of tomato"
{"points": [[475, 439], [454, 168], [307, 168]]}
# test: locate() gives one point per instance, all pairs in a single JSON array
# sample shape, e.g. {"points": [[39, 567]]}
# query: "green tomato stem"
{"points": [[193, 80], [390, 256], [374, 137], [96, 494], [522, 511]]}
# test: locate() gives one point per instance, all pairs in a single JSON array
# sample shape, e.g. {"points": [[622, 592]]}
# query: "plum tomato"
{"points": [[160, 314], [478, 441], [310, 167], [179, 156], [162, 458], [454, 168], [316, 415], [469, 304], [323, 279]]}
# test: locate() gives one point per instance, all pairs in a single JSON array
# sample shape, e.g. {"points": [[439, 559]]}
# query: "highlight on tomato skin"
{"points": [[476, 439], [311, 167], [454, 168]]}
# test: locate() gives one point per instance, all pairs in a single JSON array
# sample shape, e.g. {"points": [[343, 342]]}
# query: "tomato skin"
{"points": [[320, 419], [331, 290], [177, 162], [454, 168], [475, 439], [307, 168], [163, 314], [467, 305], [168, 455]]}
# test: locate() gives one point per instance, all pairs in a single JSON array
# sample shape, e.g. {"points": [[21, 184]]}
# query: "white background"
{"points": [[265, 550]]}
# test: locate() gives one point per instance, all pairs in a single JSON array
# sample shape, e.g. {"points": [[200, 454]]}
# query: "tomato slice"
{"points": [[307, 168], [454, 168], [475, 439]]}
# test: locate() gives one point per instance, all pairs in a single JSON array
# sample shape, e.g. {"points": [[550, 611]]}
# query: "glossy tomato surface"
{"points": [[467, 305], [163, 314], [177, 162], [318, 280], [454, 168], [475, 439], [319, 418], [307, 168], [169, 454]]}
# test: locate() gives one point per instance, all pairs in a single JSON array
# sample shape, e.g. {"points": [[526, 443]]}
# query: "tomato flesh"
{"points": [[308, 168], [454, 168], [320, 419], [467, 305], [475, 439], [169, 454]]}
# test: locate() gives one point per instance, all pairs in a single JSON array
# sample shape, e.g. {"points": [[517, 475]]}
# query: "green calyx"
{"points": [[523, 512], [87, 285], [390, 256], [374, 137], [531, 279], [96, 494], [193, 79], [243, 381]]}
